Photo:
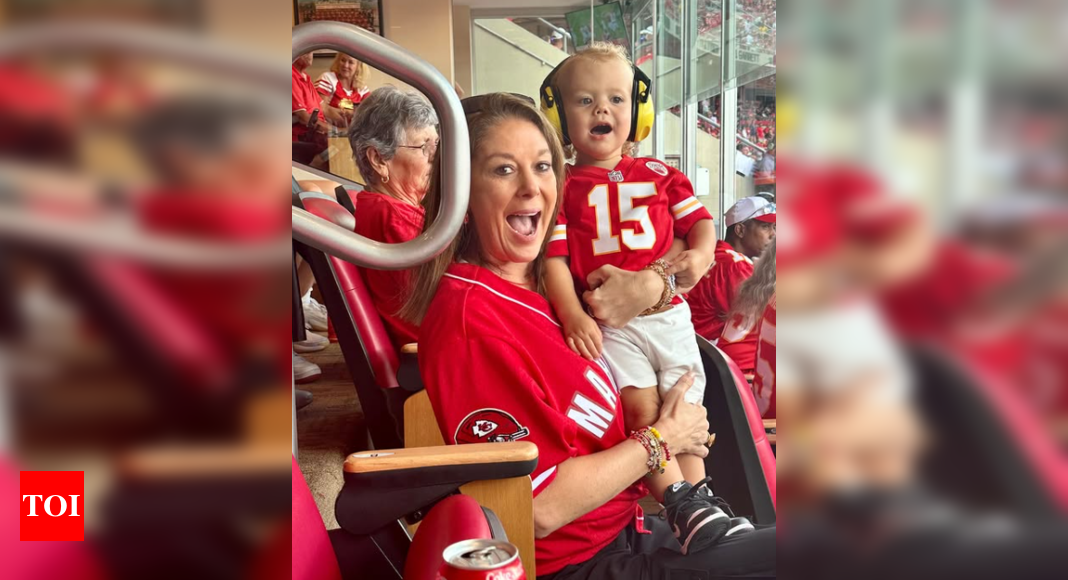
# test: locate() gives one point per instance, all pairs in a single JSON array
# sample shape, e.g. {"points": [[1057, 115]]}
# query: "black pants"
{"points": [[656, 556]]}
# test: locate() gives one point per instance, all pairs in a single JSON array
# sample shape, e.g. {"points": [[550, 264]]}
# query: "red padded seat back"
{"points": [[756, 425], [313, 555], [454, 519]]}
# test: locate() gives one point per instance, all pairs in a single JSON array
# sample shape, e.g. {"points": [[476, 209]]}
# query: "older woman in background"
{"points": [[394, 137]]}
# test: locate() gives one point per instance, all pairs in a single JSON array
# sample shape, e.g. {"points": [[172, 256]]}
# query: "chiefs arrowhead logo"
{"points": [[483, 428], [489, 426]]}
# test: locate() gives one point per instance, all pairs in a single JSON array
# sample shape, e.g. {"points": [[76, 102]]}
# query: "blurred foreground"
{"points": [[145, 284], [923, 290]]}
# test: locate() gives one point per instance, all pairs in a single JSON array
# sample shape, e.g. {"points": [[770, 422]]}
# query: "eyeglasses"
{"points": [[472, 105], [428, 148]]}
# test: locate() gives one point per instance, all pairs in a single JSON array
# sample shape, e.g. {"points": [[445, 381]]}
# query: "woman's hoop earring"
{"points": [[385, 178]]}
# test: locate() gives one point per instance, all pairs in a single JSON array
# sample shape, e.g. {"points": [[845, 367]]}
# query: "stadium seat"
{"points": [[741, 463], [990, 449], [370, 356], [384, 486]]}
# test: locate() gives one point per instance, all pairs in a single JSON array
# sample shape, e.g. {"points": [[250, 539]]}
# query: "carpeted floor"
{"points": [[329, 429]]}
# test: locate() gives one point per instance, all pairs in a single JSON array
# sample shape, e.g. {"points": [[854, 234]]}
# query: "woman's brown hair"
{"points": [[484, 112]]}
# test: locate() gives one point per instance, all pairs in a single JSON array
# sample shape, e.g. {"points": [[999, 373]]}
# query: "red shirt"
{"points": [[385, 219], [710, 300], [305, 98], [496, 368], [628, 222], [764, 381]]}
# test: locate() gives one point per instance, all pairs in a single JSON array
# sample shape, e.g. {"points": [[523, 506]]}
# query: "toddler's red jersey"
{"points": [[625, 217]]}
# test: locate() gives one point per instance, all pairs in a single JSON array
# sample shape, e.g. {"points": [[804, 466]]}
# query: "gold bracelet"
{"points": [[660, 267]]}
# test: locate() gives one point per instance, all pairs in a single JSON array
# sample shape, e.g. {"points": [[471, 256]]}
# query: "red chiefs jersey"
{"points": [[710, 300], [739, 342], [764, 381], [626, 217], [385, 219], [330, 88], [496, 368]]}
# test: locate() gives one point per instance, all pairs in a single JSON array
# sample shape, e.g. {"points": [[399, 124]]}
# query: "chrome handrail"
{"points": [[455, 151]]}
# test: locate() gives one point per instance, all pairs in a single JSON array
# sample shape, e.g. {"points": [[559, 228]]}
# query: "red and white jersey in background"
{"points": [[329, 87], [496, 368], [626, 217], [710, 300], [764, 379]]}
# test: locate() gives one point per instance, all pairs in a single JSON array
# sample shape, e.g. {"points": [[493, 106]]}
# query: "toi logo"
{"points": [[51, 505]]}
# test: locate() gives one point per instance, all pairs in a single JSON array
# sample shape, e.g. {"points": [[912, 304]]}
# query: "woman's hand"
{"points": [[583, 335], [683, 426], [689, 267], [616, 296]]}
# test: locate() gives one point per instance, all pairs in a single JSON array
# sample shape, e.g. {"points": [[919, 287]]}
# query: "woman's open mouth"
{"points": [[524, 223]]}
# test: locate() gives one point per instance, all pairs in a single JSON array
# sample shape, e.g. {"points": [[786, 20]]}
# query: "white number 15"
{"points": [[607, 242]]}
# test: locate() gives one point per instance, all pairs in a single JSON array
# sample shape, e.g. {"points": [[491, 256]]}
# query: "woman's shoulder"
{"points": [[379, 211], [473, 300]]}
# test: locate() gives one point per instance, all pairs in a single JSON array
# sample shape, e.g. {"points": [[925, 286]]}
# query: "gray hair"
{"points": [[380, 123]]}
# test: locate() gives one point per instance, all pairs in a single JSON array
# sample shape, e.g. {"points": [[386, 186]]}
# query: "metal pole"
{"points": [[728, 111]]}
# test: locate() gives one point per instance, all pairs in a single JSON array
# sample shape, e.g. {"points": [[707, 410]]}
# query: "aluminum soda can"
{"points": [[482, 560]]}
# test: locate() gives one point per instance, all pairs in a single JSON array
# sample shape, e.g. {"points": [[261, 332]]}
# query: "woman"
{"points": [[496, 368], [394, 137], [342, 88]]}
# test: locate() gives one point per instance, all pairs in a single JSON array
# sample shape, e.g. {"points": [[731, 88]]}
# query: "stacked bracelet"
{"points": [[657, 448], [660, 267]]}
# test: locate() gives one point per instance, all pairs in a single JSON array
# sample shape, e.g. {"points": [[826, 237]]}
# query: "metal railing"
{"points": [[455, 151], [504, 39]]}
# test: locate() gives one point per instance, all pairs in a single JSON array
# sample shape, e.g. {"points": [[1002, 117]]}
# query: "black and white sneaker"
{"points": [[697, 522], [739, 525]]}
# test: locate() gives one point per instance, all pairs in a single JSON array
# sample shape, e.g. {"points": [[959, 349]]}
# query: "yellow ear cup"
{"points": [[551, 108], [643, 121]]}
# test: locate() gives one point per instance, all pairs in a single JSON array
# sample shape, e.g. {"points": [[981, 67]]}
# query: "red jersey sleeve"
{"points": [[686, 209], [490, 393], [558, 238]]}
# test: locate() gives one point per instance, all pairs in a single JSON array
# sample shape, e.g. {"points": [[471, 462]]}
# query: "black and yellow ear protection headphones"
{"points": [[641, 114]]}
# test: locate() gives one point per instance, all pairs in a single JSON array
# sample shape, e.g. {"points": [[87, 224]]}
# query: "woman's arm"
{"points": [[570, 495], [617, 295]]}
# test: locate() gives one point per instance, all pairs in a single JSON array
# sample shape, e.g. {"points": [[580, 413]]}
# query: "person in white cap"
{"points": [[750, 228]]}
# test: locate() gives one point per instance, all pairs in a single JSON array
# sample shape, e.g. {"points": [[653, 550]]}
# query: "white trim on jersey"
{"points": [[513, 300], [685, 207], [559, 233], [536, 483]]}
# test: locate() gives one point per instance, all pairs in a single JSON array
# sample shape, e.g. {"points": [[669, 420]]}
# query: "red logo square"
{"points": [[52, 506]]}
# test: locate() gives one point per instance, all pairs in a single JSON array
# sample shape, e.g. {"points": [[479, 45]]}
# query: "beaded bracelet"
{"points": [[663, 444], [654, 444]]}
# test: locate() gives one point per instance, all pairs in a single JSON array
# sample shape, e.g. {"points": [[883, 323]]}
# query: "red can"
{"points": [[482, 560]]}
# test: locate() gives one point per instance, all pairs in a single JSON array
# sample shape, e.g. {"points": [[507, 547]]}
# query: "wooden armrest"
{"points": [[410, 348], [769, 424], [474, 453]]}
